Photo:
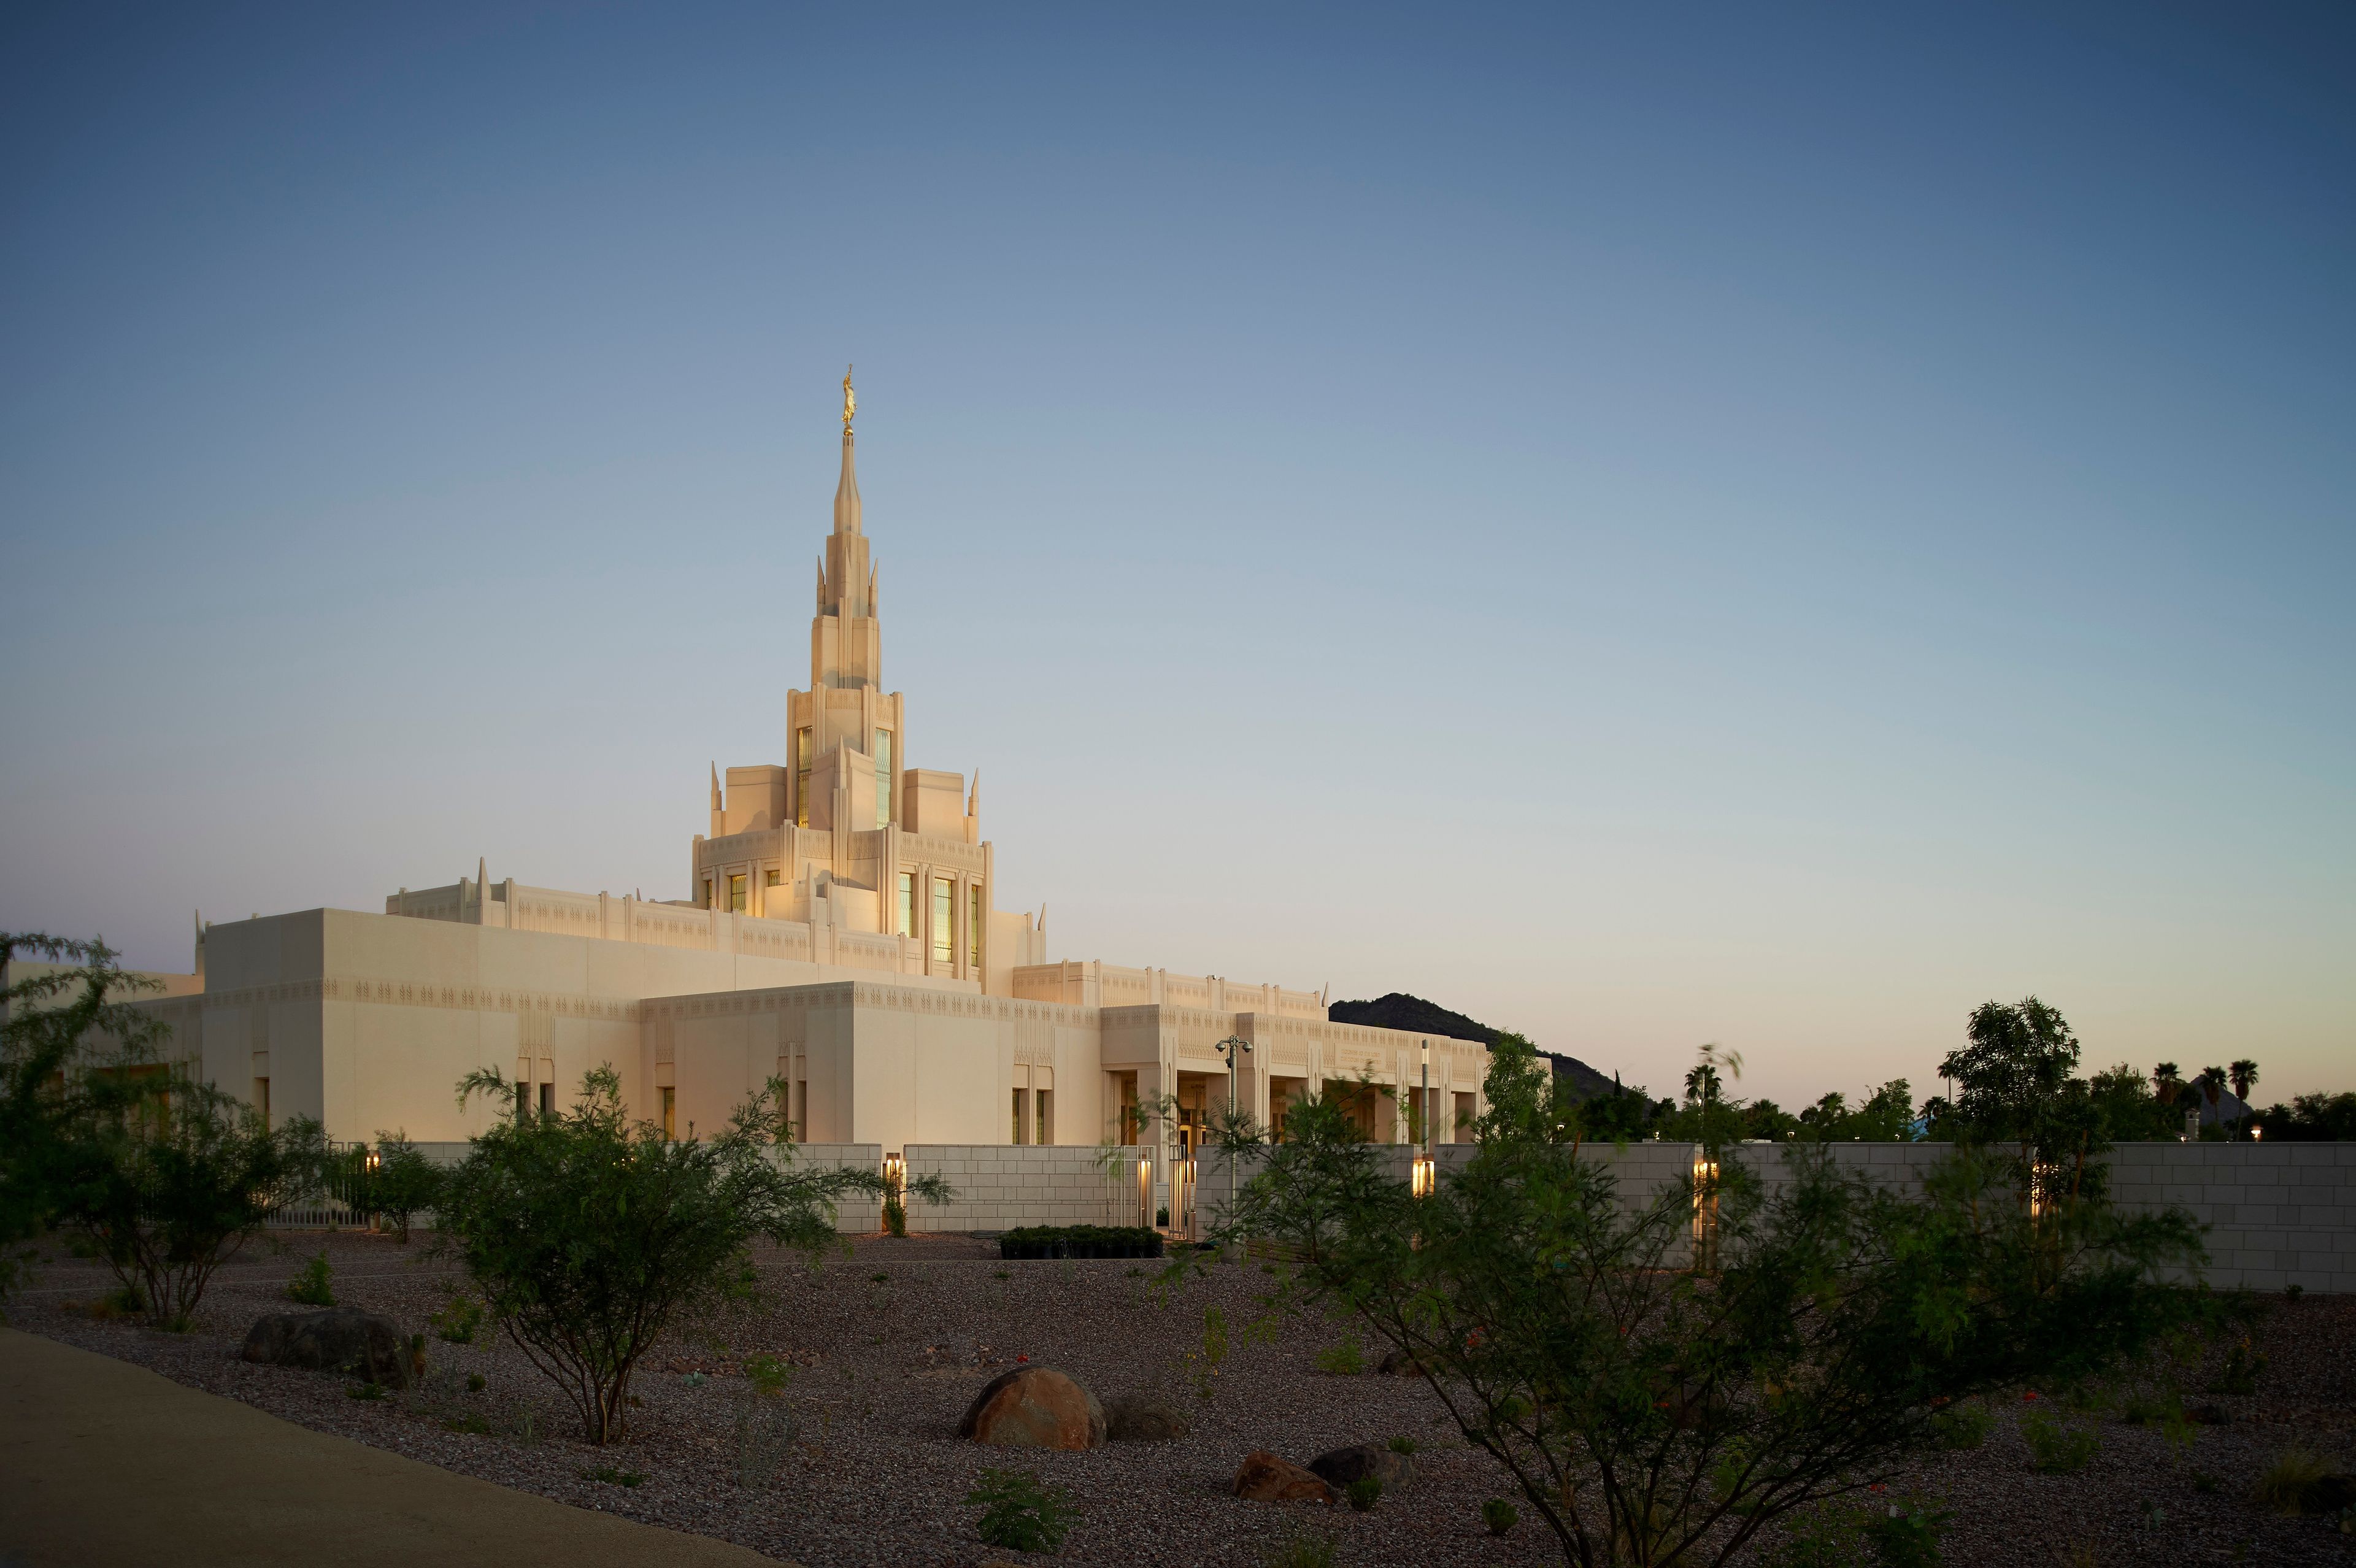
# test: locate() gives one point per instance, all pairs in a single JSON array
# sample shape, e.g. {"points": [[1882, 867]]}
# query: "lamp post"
{"points": [[1427, 1173], [1233, 1047]]}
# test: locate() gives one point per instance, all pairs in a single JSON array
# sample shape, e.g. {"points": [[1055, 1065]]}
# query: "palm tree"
{"points": [[2245, 1075], [2164, 1081]]}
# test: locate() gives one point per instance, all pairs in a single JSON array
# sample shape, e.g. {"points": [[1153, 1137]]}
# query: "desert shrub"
{"points": [[1964, 1425], [615, 1476], [476, 1383], [1499, 1516], [1019, 1514], [588, 1234], [1343, 1358], [367, 1390], [1079, 1242], [1365, 1492], [458, 1319], [170, 1180], [762, 1435], [2055, 1447], [1664, 1413], [2243, 1365], [402, 1183], [55, 1026], [768, 1373], [1404, 1445], [1847, 1534], [314, 1283], [2283, 1485], [895, 1215], [1303, 1550]]}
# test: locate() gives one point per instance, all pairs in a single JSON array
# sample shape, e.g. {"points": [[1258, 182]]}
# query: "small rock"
{"points": [[1146, 1418], [1343, 1465], [1035, 1407], [1264, 1478], [337, 1339]]}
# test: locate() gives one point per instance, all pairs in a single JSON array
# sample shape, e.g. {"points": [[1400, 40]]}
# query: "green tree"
{"points": [[401, 1183], [2243, 1076], [2310, 1118], [1654, 1415], [2016, 1087], [172, 1184], [589, 1235], [64, 1018]]}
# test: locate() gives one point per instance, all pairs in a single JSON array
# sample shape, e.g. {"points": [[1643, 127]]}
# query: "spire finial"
{"points": [[850, 399]]}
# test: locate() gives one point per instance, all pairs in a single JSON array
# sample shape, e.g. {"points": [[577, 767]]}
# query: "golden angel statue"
{"points": [[850, 399]]}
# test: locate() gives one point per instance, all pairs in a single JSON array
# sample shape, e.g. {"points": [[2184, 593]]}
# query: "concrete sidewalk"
{"points": [[104, 1464]]}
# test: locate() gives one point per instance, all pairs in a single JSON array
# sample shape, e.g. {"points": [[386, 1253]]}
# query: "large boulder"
{"points": [[1035, 1407], [1339, 1468], [337, 1339], [1264, 1478], [1146, 1418]]}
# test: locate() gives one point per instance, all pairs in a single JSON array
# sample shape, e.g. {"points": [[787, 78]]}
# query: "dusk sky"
{"points": [[1646, 525]]}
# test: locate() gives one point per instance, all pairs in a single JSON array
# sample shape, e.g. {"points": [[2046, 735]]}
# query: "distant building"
{"points": [[839, 935]]}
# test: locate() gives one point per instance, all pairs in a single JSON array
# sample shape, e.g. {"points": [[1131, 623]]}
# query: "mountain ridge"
{"points": [[1413, 1015]]}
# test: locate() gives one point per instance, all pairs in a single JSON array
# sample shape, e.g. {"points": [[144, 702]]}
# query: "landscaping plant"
{"points": [[56, 1027], [1653, 1412], [589, 1233], [402, 1183], [313, 1283], [1019, 1514], [1499, 1516], [172, 1184], [458, 1319], [2056, 1448]]}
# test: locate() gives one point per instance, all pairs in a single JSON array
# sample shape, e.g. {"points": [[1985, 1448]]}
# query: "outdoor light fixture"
{"points": [[1145, 1192], [896, 1172], [374, 1159], [1427, 1176]]}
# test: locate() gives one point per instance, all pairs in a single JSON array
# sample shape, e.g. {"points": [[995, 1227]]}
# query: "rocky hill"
{"points": [[1413, 1015]]}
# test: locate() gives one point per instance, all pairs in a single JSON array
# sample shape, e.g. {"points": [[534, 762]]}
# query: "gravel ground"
{"points": [[893, 1342]]}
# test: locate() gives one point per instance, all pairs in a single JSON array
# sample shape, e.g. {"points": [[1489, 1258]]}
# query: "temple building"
{"points": [[840, 933]]}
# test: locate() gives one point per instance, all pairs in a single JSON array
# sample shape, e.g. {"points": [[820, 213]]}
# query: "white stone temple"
{"points": [[838, 935]]}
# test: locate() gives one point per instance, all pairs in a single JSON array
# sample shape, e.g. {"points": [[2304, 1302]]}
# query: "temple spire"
{"points": [[846, 493]]}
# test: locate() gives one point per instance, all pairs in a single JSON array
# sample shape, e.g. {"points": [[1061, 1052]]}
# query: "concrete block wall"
{"points": [[2278, 1215], [1001, 1186], [855, 1214]]}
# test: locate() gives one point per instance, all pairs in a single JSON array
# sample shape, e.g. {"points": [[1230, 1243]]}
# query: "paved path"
{"points": [[105, 1464]]}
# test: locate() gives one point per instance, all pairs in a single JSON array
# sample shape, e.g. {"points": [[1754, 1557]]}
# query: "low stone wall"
{"points": [[1001, 1186], [858, 1214], [2278, 1215], [2274, 1214]]}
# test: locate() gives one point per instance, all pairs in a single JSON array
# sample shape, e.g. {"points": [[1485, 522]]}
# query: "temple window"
{"points": [[974, 925], [1019, 1095], [736, 893], [1046, 1116], [944, 920], [907, 903], [801, 776]]}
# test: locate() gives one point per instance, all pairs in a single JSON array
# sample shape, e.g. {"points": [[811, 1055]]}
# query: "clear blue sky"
{"points": [[1764, 525]]}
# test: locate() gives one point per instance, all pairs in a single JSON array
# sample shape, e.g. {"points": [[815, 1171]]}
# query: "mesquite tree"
{"points": [[1654, 1413], [589, 1233]]}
